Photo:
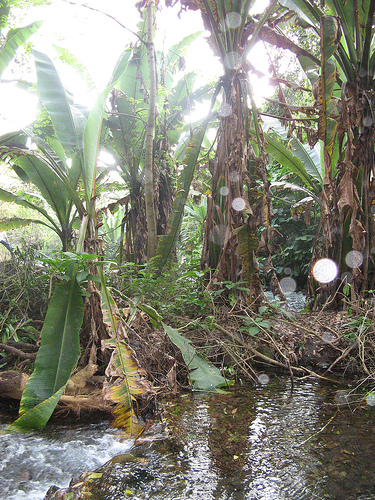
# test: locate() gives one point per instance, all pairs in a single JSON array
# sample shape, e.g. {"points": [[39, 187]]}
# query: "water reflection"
{"points": [[251, 443], [265, 443]]}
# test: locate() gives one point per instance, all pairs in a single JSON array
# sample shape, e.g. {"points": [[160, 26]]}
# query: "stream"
{"points": [[248, 443]]}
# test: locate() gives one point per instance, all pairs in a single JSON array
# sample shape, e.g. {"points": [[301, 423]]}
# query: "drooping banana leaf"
{"points": [[56, 358], [9, 197], [17, 222], [55, 160], [203, 375], [15, 38], [282, 185], [309, 158], [130, 378], [38, 416], [40, 173]]}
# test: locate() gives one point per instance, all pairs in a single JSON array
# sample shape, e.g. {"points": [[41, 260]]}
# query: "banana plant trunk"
{"points": [[152, 238], [233, 209]]}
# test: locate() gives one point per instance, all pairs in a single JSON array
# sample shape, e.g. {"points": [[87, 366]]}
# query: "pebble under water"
{"points": [[248, 443]]}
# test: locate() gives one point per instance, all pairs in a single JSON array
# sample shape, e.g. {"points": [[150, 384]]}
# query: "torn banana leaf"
{"points": [[203, 375]]}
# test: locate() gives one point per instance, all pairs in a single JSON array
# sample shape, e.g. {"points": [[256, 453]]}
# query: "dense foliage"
{"points": [[277, 188]]}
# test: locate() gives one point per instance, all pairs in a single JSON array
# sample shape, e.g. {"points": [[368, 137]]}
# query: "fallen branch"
{"points": [[340, 358], [308, 330], [18, 352], [269, 360], [255, 352], [319, 431]]}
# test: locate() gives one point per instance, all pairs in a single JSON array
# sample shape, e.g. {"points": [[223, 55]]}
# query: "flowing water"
{"points": [[249, 443]]}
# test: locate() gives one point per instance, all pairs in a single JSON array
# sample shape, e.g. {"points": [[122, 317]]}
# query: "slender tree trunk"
{"points": [[149, 154]]}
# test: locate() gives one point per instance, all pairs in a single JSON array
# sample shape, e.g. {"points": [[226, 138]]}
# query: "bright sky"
{"points": [[98, 40]]}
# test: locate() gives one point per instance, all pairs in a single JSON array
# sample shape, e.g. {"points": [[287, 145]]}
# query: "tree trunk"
{"points": [[149, 146], [235, 210]]}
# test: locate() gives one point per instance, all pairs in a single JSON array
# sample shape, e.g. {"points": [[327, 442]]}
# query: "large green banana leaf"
{"points": [[309, 158], [54, 158], [285, 157], [57, 356], [40, 173], [203, 375], [14, 39], [173, 57], [91, 136], [68, 119], [9, 197]]}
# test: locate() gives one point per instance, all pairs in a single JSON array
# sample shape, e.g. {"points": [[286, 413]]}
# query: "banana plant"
{"points": [[300, 159], [343, 82], [238, 173], [14, 39], [57, 356], [62, 162], [78, 138], [126, 126]]}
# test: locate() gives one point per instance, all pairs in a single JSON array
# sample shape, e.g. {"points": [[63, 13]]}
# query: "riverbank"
{"points": [[329, 345]]}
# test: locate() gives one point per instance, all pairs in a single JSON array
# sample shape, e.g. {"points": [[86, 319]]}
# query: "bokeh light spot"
{"points": [[328, 337], [346, 277], [287, 270], [217, 235], [233, 20], [263, 379], [354, 259], [288, 285], [370, 400], [341, 397], [325, 270], [367, 122], [224, 191], [238, 204], [225, 109], [234, 176], [231, 60]]}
